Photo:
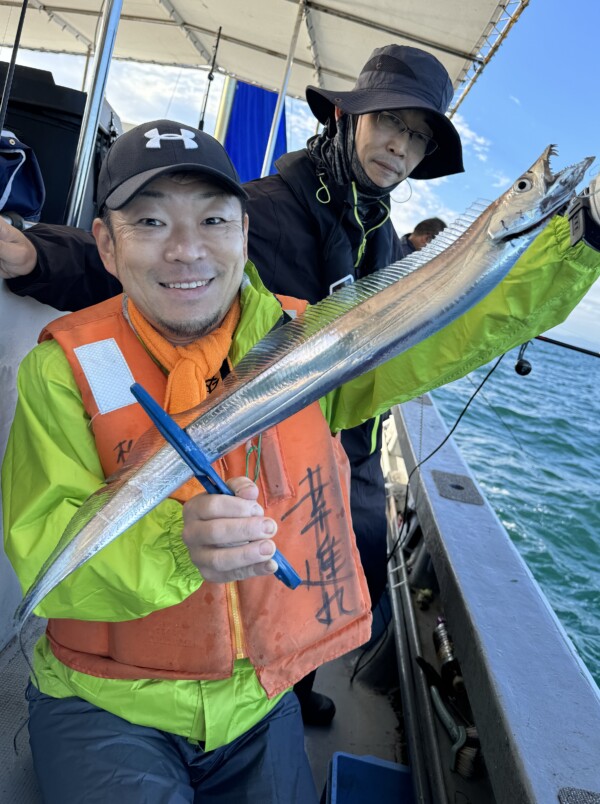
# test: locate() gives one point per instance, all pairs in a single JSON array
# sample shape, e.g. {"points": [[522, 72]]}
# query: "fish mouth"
{"points": [[559, 186], [555, 190]]}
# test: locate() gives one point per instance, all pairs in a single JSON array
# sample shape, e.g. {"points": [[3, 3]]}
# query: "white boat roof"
{"points": [[335, 39]]}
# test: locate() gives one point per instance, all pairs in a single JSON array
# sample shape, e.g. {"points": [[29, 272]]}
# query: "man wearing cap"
{"points": [[321, 222], [166, 668]]}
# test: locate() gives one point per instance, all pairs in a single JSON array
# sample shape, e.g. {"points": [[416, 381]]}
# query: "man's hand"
{"points": [[229, 538], [18, 256]]}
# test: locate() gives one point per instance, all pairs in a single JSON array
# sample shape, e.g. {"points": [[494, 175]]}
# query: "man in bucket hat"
{"points": [[396, 79], [324, 221]]}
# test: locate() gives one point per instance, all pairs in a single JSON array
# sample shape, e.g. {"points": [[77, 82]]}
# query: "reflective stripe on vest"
{"points": [[286, 633], [107, 373]]}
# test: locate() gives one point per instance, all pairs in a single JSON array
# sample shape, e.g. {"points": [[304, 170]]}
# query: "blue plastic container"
{"points": [[358, 779]]}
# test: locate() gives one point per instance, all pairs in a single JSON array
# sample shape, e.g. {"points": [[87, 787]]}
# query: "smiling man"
{"points": [[159, 679], [193, 296], [322, 221]]}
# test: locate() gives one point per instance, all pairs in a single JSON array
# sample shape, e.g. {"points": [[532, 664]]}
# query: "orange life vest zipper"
{"points": [[236, 620]]}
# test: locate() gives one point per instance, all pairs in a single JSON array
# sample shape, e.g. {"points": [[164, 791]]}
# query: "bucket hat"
{"points": [[154, 149], [401, 77]]}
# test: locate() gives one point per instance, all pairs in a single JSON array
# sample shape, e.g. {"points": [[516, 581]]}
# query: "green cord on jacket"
{"points": [[363, 245]]}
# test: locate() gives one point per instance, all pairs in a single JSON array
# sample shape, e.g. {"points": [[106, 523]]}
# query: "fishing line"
{"points": [[433, 452], [37, 684], [502, 422], [16, 737], [173, 93], [26, 657]]}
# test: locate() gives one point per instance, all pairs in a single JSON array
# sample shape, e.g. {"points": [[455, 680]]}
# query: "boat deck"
{"points": [[17, 779], [368, 719]]}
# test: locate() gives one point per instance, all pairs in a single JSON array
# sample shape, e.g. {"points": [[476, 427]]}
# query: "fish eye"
{"points": [[523, 185]]}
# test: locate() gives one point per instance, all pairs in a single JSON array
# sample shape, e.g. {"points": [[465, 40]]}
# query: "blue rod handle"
{"points": [[193, 456]]}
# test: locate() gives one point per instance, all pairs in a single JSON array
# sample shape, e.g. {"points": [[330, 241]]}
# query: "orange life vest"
{"points": [[284, 633]]}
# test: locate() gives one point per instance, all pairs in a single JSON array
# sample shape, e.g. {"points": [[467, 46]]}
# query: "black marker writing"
{"points": [[330, 563], [124, 448]]}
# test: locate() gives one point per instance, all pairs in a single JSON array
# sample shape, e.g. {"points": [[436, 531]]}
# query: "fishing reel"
{"points": [[584, 216], [523, 367]]}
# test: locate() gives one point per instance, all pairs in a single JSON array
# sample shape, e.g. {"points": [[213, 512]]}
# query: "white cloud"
{"points": [[471, 140], [500, 180], [424, 202], [515, 100], [67, 70], [141, 92], [300, 123]]}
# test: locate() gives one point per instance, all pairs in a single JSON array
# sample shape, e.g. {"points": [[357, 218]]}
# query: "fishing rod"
{"points": [[523, 366], [568, 346], [11, 67], [210, 77]]}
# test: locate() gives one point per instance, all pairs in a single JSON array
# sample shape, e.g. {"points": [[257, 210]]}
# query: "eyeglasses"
{"points": [[388, 122]]}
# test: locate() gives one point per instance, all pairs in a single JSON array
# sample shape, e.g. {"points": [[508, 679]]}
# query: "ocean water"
{"points": [[533, 444]]}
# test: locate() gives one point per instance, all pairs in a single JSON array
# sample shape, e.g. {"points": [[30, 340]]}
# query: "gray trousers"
{"points": [[85, 755]]}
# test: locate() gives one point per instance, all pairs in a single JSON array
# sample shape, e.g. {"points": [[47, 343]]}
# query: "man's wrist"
{"points": [[21, 284]]}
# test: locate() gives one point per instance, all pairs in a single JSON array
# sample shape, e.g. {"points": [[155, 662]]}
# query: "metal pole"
{"points": [[225, 106], [85, 69], [281, 98], [91, 115]]}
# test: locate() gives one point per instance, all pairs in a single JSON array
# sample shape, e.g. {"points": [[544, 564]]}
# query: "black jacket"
{"points": [[305, 248]]}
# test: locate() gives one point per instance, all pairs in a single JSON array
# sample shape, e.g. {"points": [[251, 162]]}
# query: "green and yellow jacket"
{"points": [[51, 467]]}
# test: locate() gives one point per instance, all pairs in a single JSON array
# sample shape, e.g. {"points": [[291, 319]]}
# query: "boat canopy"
{"points": [[334, 41]]}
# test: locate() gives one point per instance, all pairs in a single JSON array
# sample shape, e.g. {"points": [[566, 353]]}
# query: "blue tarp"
{"points": [[248, 131]]}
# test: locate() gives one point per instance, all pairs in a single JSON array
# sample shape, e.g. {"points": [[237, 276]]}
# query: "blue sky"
{"points": [[540, 88]]}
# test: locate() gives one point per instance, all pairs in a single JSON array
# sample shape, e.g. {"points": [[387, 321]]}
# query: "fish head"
{"points": [[535, 197]]}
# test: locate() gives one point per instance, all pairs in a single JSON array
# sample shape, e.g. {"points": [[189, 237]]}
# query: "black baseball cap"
{"points": [[154, 149], [401, 77]]}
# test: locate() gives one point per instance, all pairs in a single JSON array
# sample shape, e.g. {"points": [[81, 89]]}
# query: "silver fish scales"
{"points": [[345, 335]]}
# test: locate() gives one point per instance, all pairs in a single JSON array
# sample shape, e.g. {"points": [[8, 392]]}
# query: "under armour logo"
{"points": [[187, 137]]}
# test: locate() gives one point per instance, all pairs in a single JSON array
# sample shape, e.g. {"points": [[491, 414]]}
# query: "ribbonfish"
{"points": [[354, 330]]}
